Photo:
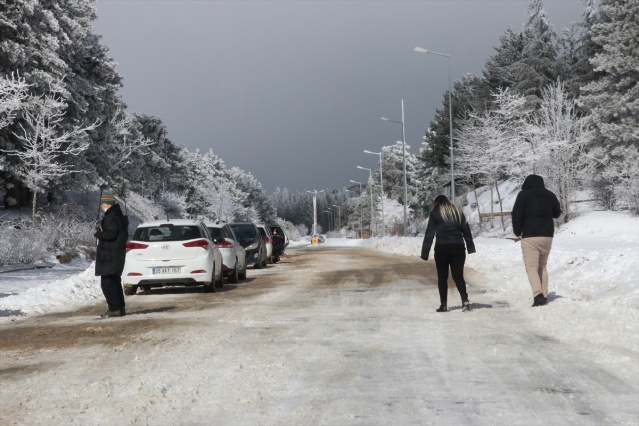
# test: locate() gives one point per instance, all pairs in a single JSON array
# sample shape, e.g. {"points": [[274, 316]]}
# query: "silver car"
{"points": [[265, 232], [233, 254]]}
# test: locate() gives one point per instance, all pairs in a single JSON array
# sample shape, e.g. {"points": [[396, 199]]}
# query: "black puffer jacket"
{"points": [[112, 236], [447, 233], [534, 209]]}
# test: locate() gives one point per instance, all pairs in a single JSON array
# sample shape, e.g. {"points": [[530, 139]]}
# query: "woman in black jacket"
{"points": [[448, 223]]}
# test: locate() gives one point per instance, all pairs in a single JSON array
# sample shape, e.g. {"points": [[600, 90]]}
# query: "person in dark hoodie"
{"points": [[533, 223], [448, 223], [112, 236]]}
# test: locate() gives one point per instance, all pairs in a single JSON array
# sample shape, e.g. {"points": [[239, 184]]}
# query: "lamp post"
{"points": [[370, 184], [450, 118], [381, 184], [339, 220], [314, 192], [360, 213], [403, 161]]}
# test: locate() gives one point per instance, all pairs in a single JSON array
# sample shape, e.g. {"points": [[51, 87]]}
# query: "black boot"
{"points": [[465, 306], [539, 300], [442, 308]]}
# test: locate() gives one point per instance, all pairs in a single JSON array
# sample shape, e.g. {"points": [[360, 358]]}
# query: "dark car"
{"points": [[249, 237], [280, 241]]}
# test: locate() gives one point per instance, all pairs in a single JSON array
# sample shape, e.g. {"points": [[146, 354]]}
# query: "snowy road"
{"points": [[329, 336]]}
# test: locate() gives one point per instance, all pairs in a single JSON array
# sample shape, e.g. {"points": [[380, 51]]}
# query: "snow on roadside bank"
{"points": [[594, 260]]}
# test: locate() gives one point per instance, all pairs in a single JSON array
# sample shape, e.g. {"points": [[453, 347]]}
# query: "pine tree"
{"points": [[613, 98]]}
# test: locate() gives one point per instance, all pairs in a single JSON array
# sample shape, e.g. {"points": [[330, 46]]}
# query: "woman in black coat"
{"points": [[109, 261], [448, 223]]}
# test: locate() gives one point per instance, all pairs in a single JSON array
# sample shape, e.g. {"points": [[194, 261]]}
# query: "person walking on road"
{"points": [[447, 223], [533, 223], [112, 236]]}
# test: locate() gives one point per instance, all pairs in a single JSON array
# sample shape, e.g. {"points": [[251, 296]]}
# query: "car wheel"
{"points": [[219, 283], [242, 275], [234, 276], [209, 287], [130, 289]]}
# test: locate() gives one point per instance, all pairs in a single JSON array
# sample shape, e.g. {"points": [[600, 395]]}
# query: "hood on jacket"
{"points": [[533, 181]]}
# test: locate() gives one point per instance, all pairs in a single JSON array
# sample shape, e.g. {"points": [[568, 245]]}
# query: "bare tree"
{"points": [[45, 144]]}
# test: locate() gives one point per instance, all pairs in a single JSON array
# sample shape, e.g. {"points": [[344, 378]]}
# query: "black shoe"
{"points": [[117, 313], [466, 306], [540, 300], [442, 308]]}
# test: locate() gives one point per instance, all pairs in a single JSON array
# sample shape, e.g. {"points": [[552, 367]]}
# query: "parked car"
{"points": [[171, 252], [266, 235], [249, 237], [233, 254], [280, 241]]}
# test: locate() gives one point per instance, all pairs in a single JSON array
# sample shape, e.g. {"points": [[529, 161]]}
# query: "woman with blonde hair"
{"points": [[448, 224]]}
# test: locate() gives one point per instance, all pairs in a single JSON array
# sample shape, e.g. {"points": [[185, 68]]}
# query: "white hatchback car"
{"points": [[233, 254], [171, 252]]}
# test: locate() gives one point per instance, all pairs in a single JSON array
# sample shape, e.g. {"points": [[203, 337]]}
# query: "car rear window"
{"points": [[167, 233], [216, 232], [244, 231]]}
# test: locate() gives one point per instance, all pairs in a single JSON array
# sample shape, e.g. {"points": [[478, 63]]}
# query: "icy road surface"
{"points": [[329, 336]]}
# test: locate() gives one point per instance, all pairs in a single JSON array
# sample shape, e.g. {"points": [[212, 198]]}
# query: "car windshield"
{"points": [[167, 233], [244, 231]]}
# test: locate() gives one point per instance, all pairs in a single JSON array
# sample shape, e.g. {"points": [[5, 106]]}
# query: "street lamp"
{"points": [[381, 184], [314, 192], [339, 213], [370, 184], [361, 228], [450, 118], [403, 161]]}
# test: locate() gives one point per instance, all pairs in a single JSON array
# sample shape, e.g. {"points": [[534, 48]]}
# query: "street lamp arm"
{"points": [[422, 50], [392, 121]]}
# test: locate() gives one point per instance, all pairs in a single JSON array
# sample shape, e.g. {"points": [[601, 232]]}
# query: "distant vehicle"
{"points": [[322, 238], [280, 241], [249, 237], [265, 232], [233, 254], [169, 253]]}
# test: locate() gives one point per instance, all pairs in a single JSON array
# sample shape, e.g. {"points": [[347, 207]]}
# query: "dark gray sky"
{"points": [[293, 91]]}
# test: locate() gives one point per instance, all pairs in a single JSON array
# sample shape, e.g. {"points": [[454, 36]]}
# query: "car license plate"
{"points": [[158, 271]]}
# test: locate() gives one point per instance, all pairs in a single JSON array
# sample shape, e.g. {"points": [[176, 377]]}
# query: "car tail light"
{"points": [[135, 246], [224, 244], [198, 243], [199, 271], [134, 274]]}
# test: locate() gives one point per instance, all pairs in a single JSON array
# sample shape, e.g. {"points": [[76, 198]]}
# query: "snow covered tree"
{"points": [[623, 173], [13, 93], [564, 136], [613, 98], [537, 67], [46, 146], [500, 71]]}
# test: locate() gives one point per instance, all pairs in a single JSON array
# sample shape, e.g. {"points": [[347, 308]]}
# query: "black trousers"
{"points": [[112, 290], [453, 257]]}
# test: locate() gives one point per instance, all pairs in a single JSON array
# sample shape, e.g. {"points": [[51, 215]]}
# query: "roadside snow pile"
{"points": [[74, 292]]}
